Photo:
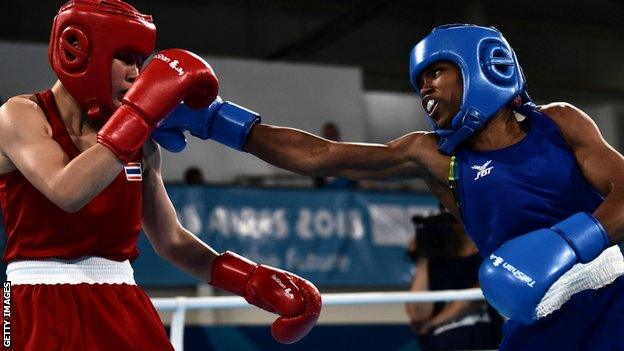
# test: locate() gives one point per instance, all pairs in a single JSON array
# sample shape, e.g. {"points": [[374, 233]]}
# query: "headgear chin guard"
{"points": [[491, 74], [86, 36]]}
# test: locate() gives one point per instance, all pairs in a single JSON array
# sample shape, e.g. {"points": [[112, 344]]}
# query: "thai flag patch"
{"points": [[133, 172]]}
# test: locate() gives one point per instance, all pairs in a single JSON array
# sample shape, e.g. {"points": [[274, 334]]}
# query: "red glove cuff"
{"points": [[230, 272], [124, 133]]}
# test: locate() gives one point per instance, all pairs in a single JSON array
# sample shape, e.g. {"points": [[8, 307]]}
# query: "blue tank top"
{"points": [[532, 184]]}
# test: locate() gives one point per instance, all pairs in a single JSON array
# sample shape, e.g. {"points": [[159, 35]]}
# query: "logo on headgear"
{"points": [[491, 75]]}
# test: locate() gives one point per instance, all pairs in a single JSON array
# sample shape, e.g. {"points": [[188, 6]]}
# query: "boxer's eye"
{"points": [[130, 59]]}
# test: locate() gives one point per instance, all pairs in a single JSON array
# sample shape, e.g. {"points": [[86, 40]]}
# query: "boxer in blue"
{"points": [[538, 189]]}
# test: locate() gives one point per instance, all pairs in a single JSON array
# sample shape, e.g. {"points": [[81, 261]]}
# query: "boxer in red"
{"points": [[80, 177]]}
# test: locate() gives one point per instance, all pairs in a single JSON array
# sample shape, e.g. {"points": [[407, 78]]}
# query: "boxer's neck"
{"points": [[502, 131], [71, 113]]}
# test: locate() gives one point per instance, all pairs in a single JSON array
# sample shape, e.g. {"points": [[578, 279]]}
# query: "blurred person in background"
{"points": [[193, 176], [445, 258]]}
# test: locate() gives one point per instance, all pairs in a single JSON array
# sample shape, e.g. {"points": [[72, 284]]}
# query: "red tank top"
{"points": [[36, 228]]}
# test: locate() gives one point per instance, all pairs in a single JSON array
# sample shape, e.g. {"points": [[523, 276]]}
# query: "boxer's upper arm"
{"points": [[25, 139], [397, 159], [602, 165]]}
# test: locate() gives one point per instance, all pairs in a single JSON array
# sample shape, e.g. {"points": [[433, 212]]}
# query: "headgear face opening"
{"points": [[491, 75], [86, 36]]}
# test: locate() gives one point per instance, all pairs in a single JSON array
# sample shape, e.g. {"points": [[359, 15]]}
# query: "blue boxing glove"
{"points": [[171, 139], [515, 278], [222, 121]]}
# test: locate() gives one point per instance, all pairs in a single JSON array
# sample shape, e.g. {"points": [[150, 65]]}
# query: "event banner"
{"points": [[332, 237]]}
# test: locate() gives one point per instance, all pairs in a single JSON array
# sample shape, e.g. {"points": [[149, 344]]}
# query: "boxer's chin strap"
{"points": [[472, 121]]}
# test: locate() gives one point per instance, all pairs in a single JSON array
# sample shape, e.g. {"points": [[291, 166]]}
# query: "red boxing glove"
{"points": [[169, 77], [295, 299]]}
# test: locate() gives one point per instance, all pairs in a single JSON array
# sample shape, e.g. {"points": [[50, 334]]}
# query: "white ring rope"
{"points": [[179, 305]]}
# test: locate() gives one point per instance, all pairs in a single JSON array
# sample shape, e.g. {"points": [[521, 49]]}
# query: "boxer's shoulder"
{"points": [[22, 113], [576, 126], [418, 144], [559, 110], [17, 114], [429, 143], [424, 151], [435, 166]]}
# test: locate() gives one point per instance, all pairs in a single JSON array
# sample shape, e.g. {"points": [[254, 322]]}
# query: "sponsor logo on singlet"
{"points": [[482, 170]]}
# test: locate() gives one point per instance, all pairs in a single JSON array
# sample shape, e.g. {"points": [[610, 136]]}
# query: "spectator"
{"points": [[445, 258], [330, 131], [193, 176]]}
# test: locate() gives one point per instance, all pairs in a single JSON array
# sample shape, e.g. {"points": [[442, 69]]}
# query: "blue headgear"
{"points": [[492, 76]]}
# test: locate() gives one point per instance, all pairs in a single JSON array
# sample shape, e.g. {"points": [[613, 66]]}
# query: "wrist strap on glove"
{"points": [[232, 124], [584, 234], [231, 272]]}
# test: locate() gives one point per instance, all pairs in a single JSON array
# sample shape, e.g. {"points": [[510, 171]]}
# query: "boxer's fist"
{"points": [[515, 278], [223, 121], [295, 299], [169, 77]]}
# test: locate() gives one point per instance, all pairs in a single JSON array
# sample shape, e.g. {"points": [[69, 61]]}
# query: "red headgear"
{"points": [[86, 36]]}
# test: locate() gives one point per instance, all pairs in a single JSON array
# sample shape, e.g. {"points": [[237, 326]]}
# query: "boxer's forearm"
{"points": [[307, 154], [291, 149], [160, 223], [187, 252], [78, 182]]}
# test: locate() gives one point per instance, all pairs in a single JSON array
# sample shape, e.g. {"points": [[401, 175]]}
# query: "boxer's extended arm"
{"points": [[292, 149], [26, 140], [602, 165], [310, 155]]}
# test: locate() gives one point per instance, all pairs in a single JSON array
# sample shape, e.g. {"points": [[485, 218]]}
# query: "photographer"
{"points": [[445, 258]]}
